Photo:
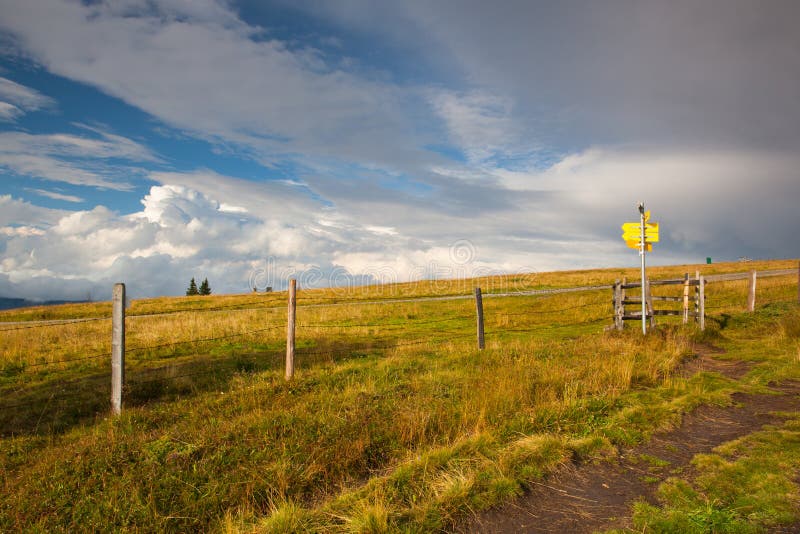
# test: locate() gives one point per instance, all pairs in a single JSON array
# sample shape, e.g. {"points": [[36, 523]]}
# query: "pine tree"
{"points": [[205, 289], [192, 288]]}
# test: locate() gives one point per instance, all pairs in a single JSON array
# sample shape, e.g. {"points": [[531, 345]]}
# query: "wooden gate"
{"points": [[622, 299]]}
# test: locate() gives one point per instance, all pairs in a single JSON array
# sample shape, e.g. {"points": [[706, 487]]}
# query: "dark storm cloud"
{"points": [[709, 72]]}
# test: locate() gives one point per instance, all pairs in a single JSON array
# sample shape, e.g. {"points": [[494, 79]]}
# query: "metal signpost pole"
{"points": [[642, 246], [640, 236]]}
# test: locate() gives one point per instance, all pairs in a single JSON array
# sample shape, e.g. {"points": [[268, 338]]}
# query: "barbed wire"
{"points": [[232, 307], [375, 298], [107, 353], [61, 322], [54, 322], [58, 362], [545, 312], [300, 352], [204, 340], [455, 335], [554, 327], [399, 325]]}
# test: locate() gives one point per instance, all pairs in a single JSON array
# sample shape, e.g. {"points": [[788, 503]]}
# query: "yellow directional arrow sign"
{"points": [[634, 243], [632, 231], [636, 227], [650, 238]]}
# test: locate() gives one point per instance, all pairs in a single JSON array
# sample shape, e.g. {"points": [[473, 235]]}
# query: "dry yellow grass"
{"points": [[394, 416]]}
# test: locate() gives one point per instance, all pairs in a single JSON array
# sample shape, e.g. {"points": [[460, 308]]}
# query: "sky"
{"points": [[151, 141]]}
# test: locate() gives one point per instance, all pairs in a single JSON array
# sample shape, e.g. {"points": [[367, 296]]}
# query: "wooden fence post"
{"points": [[702, 302], [751, 292], [117, 347], [290, 319], [697, 297], [479, 310], [686, 298], [618, 306], [614, 290]]}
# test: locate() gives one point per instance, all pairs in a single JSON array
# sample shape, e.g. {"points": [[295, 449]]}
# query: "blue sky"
{"points": [[152, 141]]}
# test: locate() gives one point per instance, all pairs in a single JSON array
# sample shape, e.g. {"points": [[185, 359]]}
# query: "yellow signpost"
{"points": [[633, 232], [641, 236]]}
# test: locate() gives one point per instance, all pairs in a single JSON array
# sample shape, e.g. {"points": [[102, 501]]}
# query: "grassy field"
{"points": [[751, 484], [394, 421]]}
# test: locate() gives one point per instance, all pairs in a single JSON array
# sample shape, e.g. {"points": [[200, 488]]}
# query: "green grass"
{"points": [[393, 422], [751, 484], [748, 485]]}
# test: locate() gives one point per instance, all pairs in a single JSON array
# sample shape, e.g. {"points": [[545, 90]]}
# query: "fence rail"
{"points": [[728, 277]]}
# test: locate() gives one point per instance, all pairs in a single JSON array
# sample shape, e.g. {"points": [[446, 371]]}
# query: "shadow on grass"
{"points": [[58, 402]]}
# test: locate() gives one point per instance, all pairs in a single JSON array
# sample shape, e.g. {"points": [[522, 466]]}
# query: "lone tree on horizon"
{"points": [[192, 288], [205, 289]]}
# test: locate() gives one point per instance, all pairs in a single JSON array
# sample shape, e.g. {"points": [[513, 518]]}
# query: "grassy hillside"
{"points": [[491, 284], [394, 421]]}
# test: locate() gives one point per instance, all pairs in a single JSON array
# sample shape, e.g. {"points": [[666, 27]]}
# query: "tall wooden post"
{"points": [[479, 310], [686, 298], [751, 292], [617, 302], [117, 347], [702, 302], [290, 328]]}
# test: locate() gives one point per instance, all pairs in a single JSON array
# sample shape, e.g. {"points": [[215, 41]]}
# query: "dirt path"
{"points": [[599, 496]]}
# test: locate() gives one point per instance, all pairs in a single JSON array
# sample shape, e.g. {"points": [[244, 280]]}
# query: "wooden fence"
{"points": [[621, 299], [693, 296], [690, 292]]}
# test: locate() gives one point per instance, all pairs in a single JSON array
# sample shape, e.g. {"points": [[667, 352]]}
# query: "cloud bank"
{"points": [[527, 130]]}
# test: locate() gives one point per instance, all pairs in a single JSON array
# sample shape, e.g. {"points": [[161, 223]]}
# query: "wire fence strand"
{"points": [[55, 322], [771, 290], [204, 340]]}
